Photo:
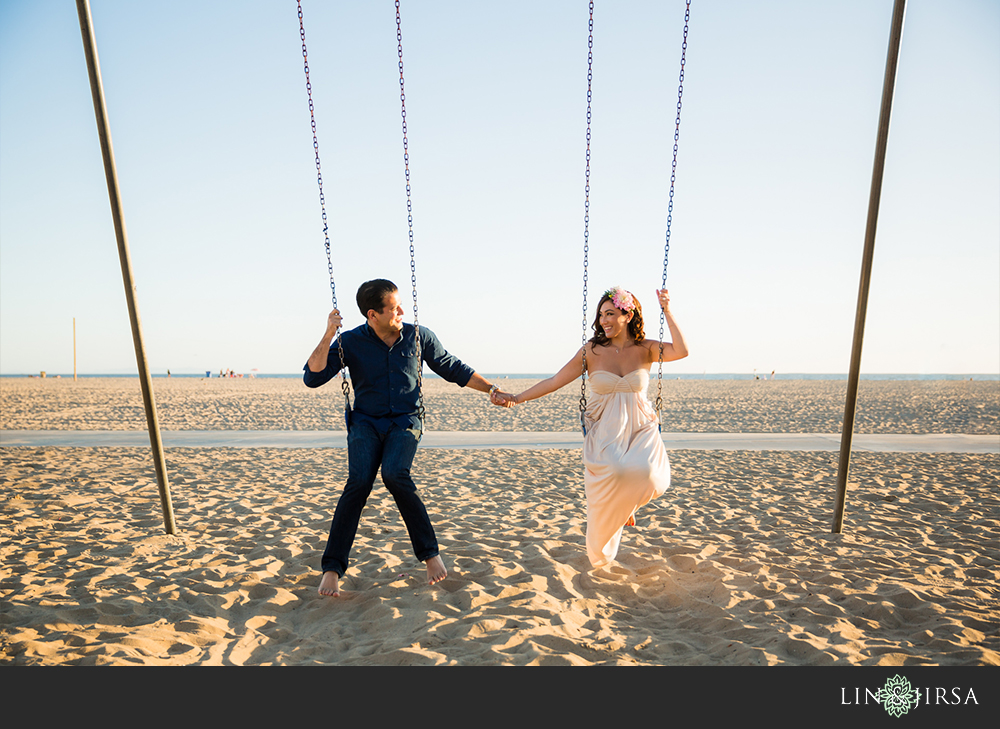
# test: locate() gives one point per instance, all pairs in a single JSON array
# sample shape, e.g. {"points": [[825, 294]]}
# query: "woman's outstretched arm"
{"points": [[570, 371]]}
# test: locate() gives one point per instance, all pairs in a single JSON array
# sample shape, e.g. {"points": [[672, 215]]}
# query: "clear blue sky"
{"points": [[211, 134]]}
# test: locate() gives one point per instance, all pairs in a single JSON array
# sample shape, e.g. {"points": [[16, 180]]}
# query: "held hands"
{"points": [[502, 399]]}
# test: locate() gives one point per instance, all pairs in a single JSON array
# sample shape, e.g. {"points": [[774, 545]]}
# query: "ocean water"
{"points": [[995, 377]]}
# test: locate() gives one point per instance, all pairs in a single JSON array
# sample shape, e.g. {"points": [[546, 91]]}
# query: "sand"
{"points": [[690, 406], [735, 565]]}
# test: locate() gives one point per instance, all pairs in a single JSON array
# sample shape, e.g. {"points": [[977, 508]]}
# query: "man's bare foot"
{"points": [[329, 586], [436, 570]]}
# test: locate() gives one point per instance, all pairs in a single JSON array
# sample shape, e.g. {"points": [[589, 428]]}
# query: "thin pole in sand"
{"points": [[888, 85], [104, 130], [74, 349]]}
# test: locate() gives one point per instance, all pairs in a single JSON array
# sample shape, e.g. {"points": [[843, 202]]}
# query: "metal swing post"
{"points": [[888, 86], [145, 380]]}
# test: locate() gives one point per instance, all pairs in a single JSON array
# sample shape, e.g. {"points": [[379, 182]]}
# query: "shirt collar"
{"points": [[406, 331]]}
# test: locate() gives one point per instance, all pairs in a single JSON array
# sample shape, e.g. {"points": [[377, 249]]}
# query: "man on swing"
{"points": [[384, 427]]}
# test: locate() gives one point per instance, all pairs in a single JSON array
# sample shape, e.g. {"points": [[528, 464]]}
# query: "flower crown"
{"points": [[621, 298]]}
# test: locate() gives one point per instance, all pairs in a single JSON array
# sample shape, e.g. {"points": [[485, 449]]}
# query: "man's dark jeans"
{"points": [[367, 450]]}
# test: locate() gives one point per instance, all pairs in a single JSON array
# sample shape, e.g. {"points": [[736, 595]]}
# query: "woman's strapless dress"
{"points": [[625, 462]]}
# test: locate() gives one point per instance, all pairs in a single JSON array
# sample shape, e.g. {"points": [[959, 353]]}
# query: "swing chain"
{"points": [[586, 218], [322, 204], [409, 220], [670, 204]]}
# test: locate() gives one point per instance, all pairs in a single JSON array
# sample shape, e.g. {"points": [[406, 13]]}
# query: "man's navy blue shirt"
{"points": [[384, 378]]}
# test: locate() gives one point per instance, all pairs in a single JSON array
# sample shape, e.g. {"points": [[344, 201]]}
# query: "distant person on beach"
{"points": [[384, 427], [625, 461]]}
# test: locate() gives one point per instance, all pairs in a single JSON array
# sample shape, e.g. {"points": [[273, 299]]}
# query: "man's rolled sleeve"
{"points": [[443, 364], [316, 379]]}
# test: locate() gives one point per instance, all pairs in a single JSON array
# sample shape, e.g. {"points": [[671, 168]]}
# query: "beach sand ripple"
{"points": [[735, 565]]}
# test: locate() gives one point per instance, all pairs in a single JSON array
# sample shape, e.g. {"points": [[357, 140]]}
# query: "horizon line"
{"points": [[43, 374]]}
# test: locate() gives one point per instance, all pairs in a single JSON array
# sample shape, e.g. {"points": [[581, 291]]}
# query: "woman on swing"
{"points": [[625, 462]]}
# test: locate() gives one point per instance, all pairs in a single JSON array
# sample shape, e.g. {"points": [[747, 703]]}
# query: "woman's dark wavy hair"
{"points": [[636, 330]]}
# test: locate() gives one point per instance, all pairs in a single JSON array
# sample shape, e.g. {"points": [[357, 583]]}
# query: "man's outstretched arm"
{"points": [[478, 382]]}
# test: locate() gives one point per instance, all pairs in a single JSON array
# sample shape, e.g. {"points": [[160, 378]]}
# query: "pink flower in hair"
{"points": [[621, 298]]}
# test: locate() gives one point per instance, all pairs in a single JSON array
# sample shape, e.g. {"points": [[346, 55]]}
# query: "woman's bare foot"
{"points": [[435, 570], [329, 586]]}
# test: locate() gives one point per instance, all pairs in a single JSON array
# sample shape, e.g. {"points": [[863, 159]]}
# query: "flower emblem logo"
{"points": [[897, 696]]}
